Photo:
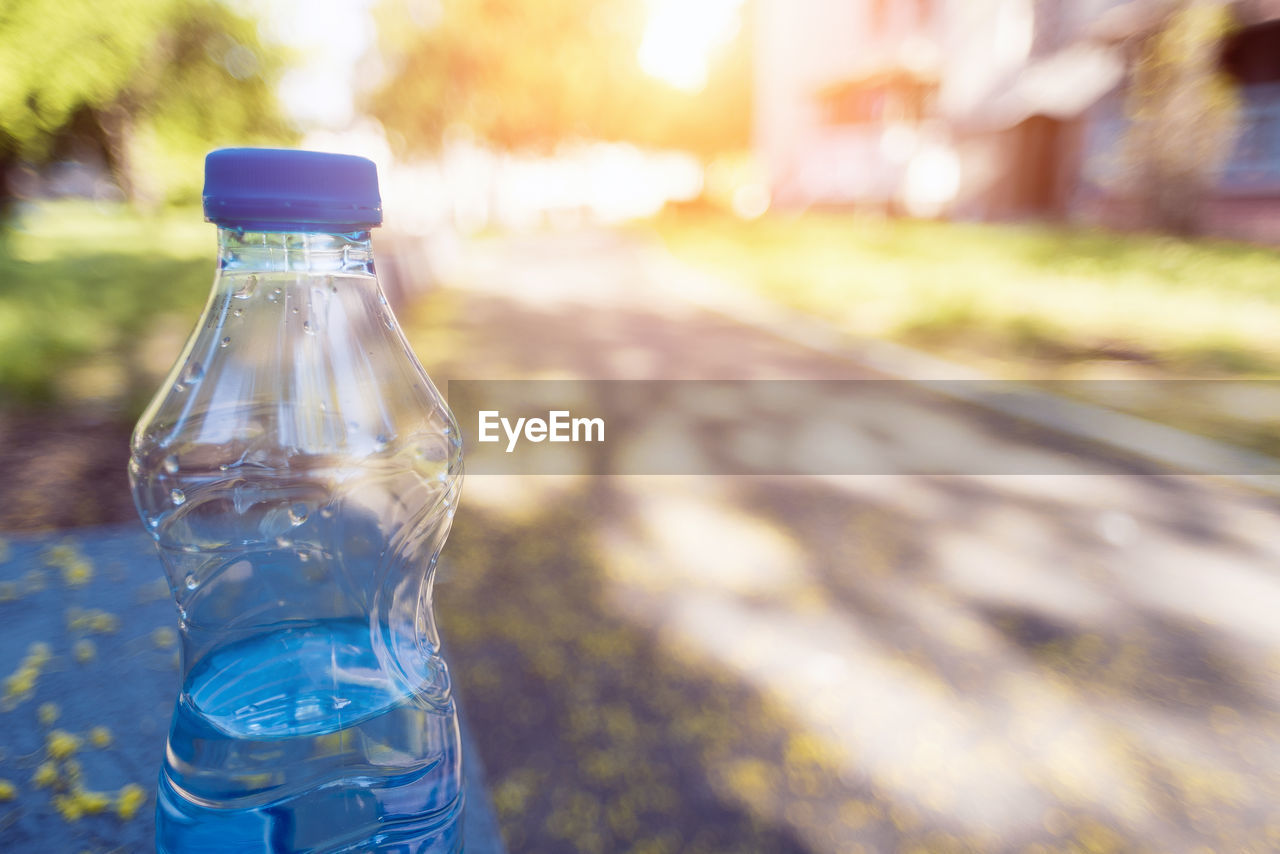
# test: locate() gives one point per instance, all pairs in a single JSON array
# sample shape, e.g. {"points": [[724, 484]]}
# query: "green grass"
{"points": [[94, 302], [1021, 300]]}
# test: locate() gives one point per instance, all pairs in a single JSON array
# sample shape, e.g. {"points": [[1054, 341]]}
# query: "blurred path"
{"points": [[843, 664]]}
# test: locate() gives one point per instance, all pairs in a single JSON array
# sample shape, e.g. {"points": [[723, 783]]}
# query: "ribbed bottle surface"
{"points": [[299, 473]]}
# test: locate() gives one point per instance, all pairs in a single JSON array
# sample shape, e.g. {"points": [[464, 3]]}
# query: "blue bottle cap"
{"points": [[272, 189]]}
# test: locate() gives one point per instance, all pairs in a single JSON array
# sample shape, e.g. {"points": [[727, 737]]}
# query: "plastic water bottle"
{"points": [[299, 473]]}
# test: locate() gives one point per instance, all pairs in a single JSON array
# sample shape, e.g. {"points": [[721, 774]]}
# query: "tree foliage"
{"points": [[525, 75], [142, 80], [1183, 111], [58, 58]]}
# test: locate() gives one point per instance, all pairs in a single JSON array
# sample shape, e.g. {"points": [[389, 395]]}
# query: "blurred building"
{"points": [[989, 109], [1245, 198]]}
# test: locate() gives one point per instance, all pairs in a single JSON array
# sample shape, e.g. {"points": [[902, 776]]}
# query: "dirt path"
{"points": [[837, 664], [63, 469]]}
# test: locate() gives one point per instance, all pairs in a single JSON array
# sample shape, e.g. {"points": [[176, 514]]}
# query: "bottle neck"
{"points": [[350, 253]]}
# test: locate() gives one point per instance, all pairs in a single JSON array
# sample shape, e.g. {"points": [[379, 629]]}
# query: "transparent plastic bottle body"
{"points": [[299, 473]]}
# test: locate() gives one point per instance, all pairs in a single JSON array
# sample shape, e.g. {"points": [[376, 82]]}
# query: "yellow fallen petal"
{"points": [[102, 621], [46, 774], [84, 651], [129, 800], [92, 803], [77, 573], [20, 684], [48, 713], [61, 744], [68, 807], [59, 554]]}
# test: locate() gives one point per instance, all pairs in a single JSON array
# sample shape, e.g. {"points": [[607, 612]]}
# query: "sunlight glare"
{"points": [[680, 37], [329, 38]]}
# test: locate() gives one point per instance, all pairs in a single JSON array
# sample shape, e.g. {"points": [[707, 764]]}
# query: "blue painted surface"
{"points": [[97, 598], [1254, 165]]}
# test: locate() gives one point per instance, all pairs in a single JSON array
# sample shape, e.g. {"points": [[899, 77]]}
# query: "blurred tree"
{"points": [[1183, 111], [149, 80], [526, 75]]}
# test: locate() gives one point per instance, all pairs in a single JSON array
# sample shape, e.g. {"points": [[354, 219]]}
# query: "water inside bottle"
{"points": [[298, 737], [313, 716]]}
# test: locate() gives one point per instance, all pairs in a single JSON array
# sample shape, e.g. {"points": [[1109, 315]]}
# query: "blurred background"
{"points": [[737, 189]]}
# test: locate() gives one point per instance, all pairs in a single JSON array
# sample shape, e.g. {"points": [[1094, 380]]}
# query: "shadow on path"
{"points": [[835, 664]]}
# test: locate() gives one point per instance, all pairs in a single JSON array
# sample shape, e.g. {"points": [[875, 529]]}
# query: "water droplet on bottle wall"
{"points": [[171, 464], [274, 295], [308, 328], [179, 388], [237, 312], [177, 496], [247, 289], [191, 582], [298, 514], [193, 374], [226, 341]]}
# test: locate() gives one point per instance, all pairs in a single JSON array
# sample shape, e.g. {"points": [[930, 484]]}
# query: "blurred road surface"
{"points": [[836, 664]]}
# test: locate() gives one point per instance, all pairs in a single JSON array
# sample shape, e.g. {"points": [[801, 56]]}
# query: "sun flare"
{"points": [[680, 38]]}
